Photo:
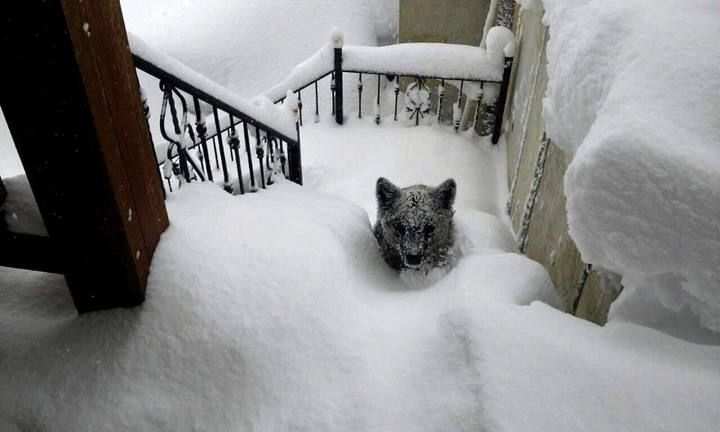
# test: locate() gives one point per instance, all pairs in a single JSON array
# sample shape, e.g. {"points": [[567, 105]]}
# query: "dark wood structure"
{"points": [[70, 96]]}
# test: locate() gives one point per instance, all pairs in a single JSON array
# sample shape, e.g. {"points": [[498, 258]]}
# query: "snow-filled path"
{"points": [[275, 312]]}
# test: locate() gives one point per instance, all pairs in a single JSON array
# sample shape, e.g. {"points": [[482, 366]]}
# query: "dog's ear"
{"points": [[386, 193], [445, 194]]}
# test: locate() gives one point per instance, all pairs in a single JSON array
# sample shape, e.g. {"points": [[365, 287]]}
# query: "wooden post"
{"points": [[72, 102]]}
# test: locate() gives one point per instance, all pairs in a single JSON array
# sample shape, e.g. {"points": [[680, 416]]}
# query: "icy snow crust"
{"points": [[633, 93]]}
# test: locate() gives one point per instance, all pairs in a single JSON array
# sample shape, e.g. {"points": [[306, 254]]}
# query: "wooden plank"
{"points": [[71, 100], [29, 252]]}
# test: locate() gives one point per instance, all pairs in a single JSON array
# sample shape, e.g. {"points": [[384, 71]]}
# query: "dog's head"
{"points": [[416, 220]]}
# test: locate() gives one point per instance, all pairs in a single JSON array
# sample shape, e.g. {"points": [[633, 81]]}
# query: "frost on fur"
{"points": [[414, 227]]}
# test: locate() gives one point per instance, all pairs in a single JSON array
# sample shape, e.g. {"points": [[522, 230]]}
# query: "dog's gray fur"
{"points": [[414, 227]]}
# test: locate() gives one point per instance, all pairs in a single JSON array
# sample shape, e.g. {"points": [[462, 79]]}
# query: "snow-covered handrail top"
{"points": [[428, 60], [435, 60], [277, 119]]}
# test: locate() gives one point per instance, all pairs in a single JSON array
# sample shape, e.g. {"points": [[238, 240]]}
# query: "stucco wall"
{"points": [[537, 202]]}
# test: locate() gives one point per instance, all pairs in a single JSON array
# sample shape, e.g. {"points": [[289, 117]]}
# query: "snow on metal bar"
{"points": [[280, 119], [304, 74], [425, 59]]}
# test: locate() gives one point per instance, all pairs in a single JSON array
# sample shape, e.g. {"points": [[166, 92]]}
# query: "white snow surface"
{"points": [[10, 164], [426, 59], [633, 95], [21, 211], [275, 311], [248, 46]]}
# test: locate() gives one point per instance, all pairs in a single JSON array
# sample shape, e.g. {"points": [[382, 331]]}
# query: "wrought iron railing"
{"points": [[271, 146], [223, 137], [486, 88]]}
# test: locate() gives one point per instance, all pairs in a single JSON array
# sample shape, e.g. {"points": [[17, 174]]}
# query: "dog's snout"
{"points": [[413, 259]]}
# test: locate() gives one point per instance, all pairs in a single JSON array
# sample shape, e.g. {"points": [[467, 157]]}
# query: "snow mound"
{"points": [[633, 94], [272, 311]]}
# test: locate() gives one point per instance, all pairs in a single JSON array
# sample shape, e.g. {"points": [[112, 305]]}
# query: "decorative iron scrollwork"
{"points": [[418, 102]]}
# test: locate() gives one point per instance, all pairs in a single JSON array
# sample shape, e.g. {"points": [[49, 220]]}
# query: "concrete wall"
{"points": [[449, 21], [537, 204]]}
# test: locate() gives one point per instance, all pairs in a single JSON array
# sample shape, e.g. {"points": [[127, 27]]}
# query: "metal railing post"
{"points": [[337, 42], [502, 98]]}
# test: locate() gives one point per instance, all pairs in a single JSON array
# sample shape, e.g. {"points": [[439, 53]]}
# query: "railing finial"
{"points": [[336, 38]]}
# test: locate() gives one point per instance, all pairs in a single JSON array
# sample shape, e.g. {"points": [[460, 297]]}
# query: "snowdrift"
{"points": [[633, 93]]}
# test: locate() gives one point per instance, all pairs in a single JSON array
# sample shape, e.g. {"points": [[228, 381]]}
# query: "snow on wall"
{"points": [[633, 94], [282, 120]]}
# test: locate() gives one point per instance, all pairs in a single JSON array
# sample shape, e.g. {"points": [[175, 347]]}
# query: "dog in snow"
{"points": [[414, 227]]}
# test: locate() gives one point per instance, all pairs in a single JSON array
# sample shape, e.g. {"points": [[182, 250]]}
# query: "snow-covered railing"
{"points": [[480, 75], [267, 129]]}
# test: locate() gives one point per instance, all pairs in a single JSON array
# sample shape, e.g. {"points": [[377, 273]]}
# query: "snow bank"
{"points": [[275, 117], [633, 94], [275, 311], [450, 61], [344, 160], [251, 45], [22, 214]]}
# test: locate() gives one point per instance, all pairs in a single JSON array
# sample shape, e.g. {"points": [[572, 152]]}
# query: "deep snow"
{"points": [[275, 311], [633, 95]]}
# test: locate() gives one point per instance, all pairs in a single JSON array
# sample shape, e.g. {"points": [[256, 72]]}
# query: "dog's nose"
{"points": [[413, 259]]}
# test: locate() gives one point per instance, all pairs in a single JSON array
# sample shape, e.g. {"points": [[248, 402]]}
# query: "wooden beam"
{"points": [[29, 252], [71, 99]]}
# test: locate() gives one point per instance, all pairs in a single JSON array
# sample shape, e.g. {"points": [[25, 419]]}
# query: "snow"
{"points": [[21, 212], [251, 45], [425, 59], [277, 118], [632, 94], [275, 311], [343, 160], [10, 164]]}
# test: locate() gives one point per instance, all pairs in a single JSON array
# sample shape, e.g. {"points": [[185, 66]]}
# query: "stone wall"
{"points": [[536, 170]]}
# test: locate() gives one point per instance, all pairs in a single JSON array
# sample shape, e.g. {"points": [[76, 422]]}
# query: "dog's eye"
{"points": [[428, 230]]}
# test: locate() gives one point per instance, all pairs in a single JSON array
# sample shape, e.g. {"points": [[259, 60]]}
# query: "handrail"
{"points": [[151, 68], [273, 129], [487, 69]]}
